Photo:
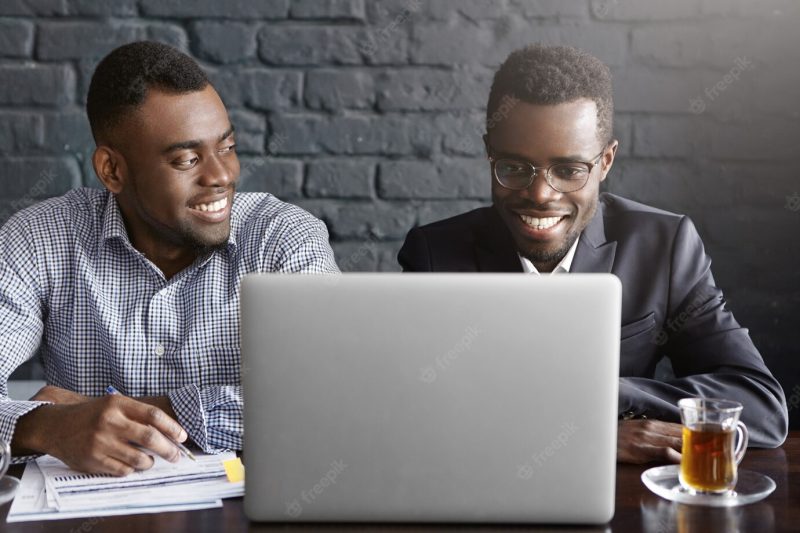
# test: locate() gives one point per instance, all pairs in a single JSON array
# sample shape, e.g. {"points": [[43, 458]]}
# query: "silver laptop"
{"points": [[476, 398]]}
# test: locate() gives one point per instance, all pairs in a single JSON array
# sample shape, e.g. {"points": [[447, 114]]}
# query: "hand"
{"points": [[51, 393], [101, 435], [645, 441]]}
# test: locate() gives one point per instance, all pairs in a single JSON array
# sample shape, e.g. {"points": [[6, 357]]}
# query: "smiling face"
{"points": [[544, 135], [174, 169]]}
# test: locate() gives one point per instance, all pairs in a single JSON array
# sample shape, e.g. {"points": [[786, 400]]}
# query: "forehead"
{"points": [[167, 117], [548, 130]]}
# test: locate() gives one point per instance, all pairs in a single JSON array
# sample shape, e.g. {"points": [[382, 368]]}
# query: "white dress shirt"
{"points": [[562, 266]]}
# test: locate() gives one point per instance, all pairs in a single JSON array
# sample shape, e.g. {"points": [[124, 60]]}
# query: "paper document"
{"points": [[51, 490]]}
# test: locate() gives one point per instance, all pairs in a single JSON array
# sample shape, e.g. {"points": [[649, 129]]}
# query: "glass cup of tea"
{"points": [[8, 484], [714, 443]]}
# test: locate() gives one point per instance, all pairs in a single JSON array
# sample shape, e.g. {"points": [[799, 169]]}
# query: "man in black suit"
{"points": [[549, 142]]}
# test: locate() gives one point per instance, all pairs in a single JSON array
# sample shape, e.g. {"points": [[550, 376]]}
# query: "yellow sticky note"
{"points": [[234, 469]]}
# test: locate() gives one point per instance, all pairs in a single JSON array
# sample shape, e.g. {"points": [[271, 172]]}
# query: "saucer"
{"points": [[750, 487]]}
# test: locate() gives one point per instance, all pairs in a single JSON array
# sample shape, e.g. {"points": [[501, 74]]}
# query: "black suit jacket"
{"points": [[671, 306]]}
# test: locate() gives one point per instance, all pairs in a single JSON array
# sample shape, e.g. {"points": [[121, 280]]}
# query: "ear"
{"points": [[608, 159], [109, 166], [486, 143]]}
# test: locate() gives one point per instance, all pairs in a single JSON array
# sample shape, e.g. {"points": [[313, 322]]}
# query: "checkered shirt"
{"points": [[74, 290]]}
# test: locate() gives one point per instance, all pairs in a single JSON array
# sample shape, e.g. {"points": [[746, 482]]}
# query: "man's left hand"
{"points": [[57, 395]]}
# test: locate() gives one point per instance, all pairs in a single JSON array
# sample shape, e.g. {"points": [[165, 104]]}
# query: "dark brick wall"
{"points": [[369, 114]]}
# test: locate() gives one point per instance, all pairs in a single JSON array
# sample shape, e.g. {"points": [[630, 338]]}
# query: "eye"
{"points": [[570, 171], [228, 149], [186, 164]]}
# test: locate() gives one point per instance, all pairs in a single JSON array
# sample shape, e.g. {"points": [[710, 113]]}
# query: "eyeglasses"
{"points": [[518, 174]]}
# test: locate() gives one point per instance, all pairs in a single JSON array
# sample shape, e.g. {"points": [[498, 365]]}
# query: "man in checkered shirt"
{"points": [[137, 285]]}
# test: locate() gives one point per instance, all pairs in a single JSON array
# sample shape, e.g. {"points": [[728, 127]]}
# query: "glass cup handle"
{"points": [[744, 437], [5, 457]]}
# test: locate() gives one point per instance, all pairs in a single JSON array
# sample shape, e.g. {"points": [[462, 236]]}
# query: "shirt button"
{"points": [[159, 350]]}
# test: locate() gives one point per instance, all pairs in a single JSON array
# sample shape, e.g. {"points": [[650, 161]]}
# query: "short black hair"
{"points": [[120, 82], [549, 75]]}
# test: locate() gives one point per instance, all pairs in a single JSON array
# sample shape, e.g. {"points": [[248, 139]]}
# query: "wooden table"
{"points": [[637, 509]]}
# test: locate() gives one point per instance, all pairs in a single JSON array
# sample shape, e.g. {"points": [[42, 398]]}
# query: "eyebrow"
{"points": [[194, 143], [555, 160]]}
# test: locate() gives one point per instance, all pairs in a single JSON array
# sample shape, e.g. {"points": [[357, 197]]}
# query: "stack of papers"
{"points": [[51, 490]]}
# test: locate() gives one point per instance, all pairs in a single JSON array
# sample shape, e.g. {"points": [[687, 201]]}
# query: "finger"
{"points": [[131, 456], [110, 465], [151, 438], [150, 415], [671, 456]]}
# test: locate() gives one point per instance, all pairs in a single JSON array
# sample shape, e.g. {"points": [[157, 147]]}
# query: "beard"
{"points": [[544, 257]]}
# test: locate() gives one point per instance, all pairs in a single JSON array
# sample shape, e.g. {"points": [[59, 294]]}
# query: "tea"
{"points": [[708, 462]]}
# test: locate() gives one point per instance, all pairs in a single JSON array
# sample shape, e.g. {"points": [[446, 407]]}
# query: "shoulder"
{"points": [[262, 214], [624, 218], [76, 212]]}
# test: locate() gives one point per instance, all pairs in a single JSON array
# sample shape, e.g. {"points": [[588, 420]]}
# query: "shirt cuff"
{"points": [[188, 406], [10, 412]]}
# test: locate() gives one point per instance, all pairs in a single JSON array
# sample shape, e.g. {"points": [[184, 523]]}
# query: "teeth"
{"points": [[540, 223], [219, 205]]}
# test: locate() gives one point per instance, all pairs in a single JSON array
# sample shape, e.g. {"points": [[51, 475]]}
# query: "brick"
{"points": [[655, 91], [331, 178], [68, 131], [395, 13], [333, 90], [608, 42], [645, 10], [76, 40], [435, 44], [747, 224], [773, 89], [710, 43], [170, 34], [29, 8], [31, 178], [379, 220], [212, 41], [423, 89], [470, 9], [387, 135], [462, 134], [257, 88], [266, 174], [547, 9], [449, 178], [668, 136], [357, 256], [251, 129], [761, 138], [440, 210], [232, 9], [92, 8], [321, 45], [327, 9], [31, 84], [16, 38], [666, 184], [387, 261], [20, 132], [623, 132]]}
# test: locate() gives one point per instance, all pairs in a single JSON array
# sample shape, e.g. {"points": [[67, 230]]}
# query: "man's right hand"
{"points": [[101, 435]]}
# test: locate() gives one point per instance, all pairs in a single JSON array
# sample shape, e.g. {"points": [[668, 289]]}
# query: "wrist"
{"points": [[32, 431]]}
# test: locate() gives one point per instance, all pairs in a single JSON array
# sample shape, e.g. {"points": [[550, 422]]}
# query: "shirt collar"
{"points": [[563, 266]]}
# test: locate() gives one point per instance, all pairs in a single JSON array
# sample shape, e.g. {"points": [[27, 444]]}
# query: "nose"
{"points": [[219, 171], [540, 192]]}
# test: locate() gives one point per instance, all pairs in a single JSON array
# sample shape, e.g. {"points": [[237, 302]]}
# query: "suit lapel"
{"points": [[594, 253], [494, 248]]}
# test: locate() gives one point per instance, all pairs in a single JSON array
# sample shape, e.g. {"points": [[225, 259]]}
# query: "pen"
{"points": [[111, 390]]}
